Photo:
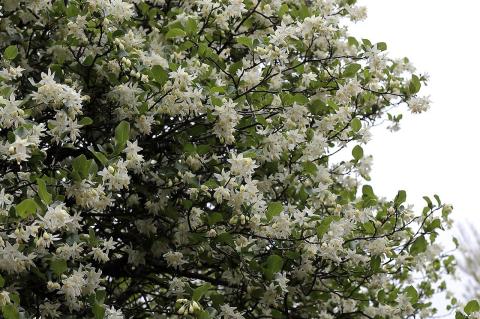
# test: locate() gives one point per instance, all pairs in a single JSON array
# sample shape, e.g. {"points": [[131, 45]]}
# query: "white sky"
{"points": [[438, 151]]}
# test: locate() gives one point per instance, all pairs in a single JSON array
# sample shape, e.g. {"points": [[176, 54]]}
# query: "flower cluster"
{"points": [[174, 159]]}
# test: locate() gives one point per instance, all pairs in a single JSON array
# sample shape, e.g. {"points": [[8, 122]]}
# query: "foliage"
{"points": [[166, 159]]}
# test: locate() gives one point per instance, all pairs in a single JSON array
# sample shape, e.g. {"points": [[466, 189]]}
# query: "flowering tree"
{"points": [[167, 159]]}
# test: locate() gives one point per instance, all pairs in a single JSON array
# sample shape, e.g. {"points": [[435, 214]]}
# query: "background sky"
{"points": [[435, 152]]}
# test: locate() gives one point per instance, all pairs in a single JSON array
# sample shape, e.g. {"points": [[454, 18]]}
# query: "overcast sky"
{"points": [[438, 151]]}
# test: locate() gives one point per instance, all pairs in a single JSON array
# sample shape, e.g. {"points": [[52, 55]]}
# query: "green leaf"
{"points": [[351, 70], [471, 307], [367, 43], [10, 52], [437, 198], [246, 41], [175, 32], [375, 263], [225, 238], [100, 296], [400, 198], [324, 225], [214, 218], [98, 311], [81, 165], [204, 315], [10, 311], [367, 191], [357, 152], [2, 281], [45, 196], [191, 26], [72, 11], [434, 224], [310, 168], [459, 315], [369, 227], [203, 149], [273, 209], [283, 9], [353, 42], [199, 292], [419, 246], [412, 294], [122, 134], [356, 125], [26, 207], [15, 298], [382, 46], [273, 265], [414, 85], [99, 156], [58, 266], [429, 201], [85, 121], [159, 74]]}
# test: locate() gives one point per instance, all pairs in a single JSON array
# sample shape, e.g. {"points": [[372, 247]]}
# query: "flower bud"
{"points": [[196, 306], [182, 309], [233, 220], [4, 298]]}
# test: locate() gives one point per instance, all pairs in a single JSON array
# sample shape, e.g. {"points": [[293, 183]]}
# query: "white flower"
{"points": [[146, 226], [73, 251], [133, 158], [347, 91], [308, 77], [228, 312], [176, 287], [282, 281], [11, 114], [50, 310], [135, 257], [235, 8], [5, 199], [419, 104], [221, 193], [378, 246], [227, 119], [174, 259], [112, 313], [144, 123], [56, 218], [119, 10], [99, 255], [12, 260], [181, 78], [250, 77], [241, 166], [116, 177], [12, 73], [357, 13], [73, 284], [64, 128], [4, 298], [50, 92], [19, 149]]}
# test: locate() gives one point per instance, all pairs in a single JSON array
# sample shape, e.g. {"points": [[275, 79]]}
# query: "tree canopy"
{"points": [[176, 159]]}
